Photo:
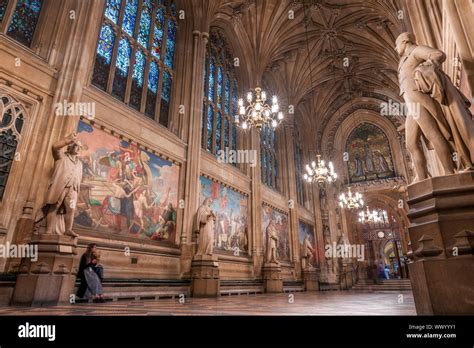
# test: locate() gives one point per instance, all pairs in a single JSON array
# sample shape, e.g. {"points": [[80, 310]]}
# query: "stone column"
{"points": [[318, 231], [50, 280], [293, 198], [441, 213], [193, 160], [255, 212], [458, 15]]}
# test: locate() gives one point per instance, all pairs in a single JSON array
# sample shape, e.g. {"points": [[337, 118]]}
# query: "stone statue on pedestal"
{"points": [[204, 226], [272, 243], [437, 111], [307, 253], [64, 187]]}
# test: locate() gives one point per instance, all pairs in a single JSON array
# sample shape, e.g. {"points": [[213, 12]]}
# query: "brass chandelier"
{"points": [[351, 201], [319, 173], [258, 113]]}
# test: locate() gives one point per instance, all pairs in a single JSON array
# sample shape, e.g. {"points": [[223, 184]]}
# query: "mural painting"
{"points": [[369, 152], [304, 230], [231, 207], [125, 190], [281, 225]]}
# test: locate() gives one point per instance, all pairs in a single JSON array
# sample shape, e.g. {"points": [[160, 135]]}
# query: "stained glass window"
{"points": [[137, 79], [130, 16], [170, 45], [153, 77], [220, 96], [135, 54], [299, 169], [145, 21], [268, 154], [121, 68], [11, 124], [25, 17], [112, 10], [3, 7], [165, 98], [104, 56]]}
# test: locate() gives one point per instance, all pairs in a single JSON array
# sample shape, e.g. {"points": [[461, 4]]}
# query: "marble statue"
{"points": [[272, 243], [307, 253], [64, 187], [204, 226], [436, 110]]}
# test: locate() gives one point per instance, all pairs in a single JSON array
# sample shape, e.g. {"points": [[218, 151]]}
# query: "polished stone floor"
{"points": [[300, 303]]}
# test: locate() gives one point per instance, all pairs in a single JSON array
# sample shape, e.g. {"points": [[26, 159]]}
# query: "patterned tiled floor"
{"points": [[303, 303]]}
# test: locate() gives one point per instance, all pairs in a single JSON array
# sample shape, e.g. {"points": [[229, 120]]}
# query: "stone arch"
{"points": [[350, 124]]}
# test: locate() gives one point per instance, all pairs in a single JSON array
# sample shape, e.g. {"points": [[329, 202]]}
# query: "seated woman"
{"points": [[91, 274]]}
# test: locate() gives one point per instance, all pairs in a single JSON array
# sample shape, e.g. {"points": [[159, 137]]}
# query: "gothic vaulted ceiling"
{"points": [[318, 55]]}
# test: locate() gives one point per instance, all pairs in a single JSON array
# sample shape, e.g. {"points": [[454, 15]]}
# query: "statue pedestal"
{"points": [[310, 278], [441, 213], [50, 280], [205, 276], [273, 280]]}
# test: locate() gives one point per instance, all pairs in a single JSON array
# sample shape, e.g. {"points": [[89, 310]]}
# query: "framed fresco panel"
{"points": [[281, 224], [125, 190], [231, 208]]}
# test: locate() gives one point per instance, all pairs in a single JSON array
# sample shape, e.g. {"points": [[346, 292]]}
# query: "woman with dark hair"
{"points": [[91, 274]]}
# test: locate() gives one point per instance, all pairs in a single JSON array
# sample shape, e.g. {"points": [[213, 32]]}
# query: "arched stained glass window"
{"points": [[11, 124], [220, 96], [268, 157], [135, 54], [24, 19]]}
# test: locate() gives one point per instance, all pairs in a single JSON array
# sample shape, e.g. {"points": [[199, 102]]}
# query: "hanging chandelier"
{"points": [[373, 217], [258, 113], [351, 201], [319, 172]]}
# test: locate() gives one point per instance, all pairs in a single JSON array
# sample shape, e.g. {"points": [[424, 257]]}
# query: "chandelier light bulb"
{"points": [[249, 97], [280, 115], [244, 125], [241, 102], [275, 100], [258, 106], [274, 123], [264, 96]]}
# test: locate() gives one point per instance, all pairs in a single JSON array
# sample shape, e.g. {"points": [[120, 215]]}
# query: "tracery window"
{"points": [[135, 54], [11, 124], [268, 157], [21, 24], [220, 97]]}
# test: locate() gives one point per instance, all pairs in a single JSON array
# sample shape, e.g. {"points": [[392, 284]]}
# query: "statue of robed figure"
{"points": [[204, 227]]}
